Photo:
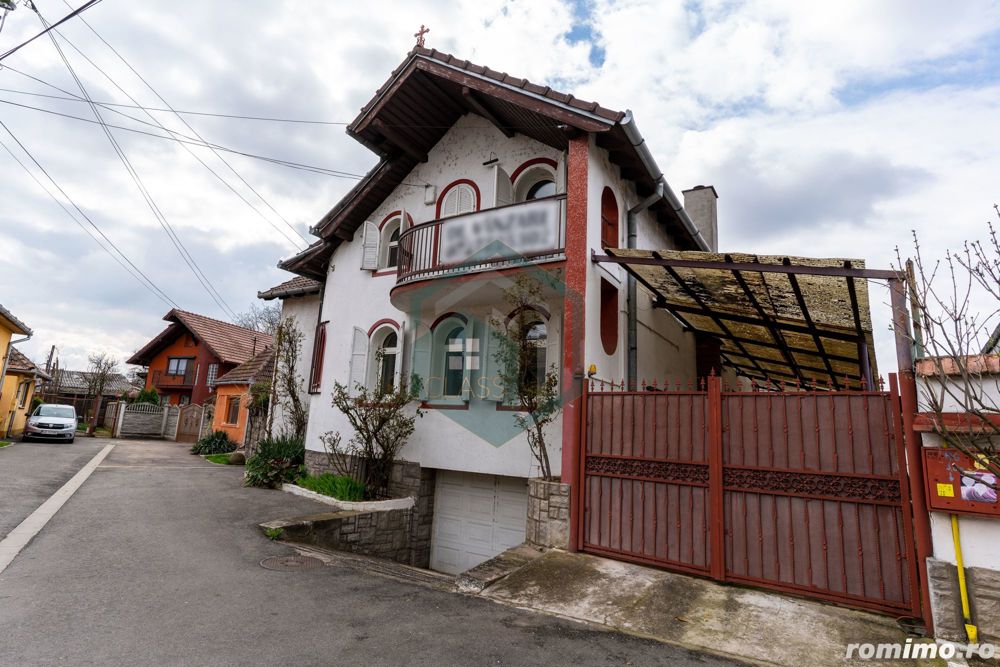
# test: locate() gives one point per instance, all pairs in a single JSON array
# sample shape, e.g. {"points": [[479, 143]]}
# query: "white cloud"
{"points": [[823, 115]]}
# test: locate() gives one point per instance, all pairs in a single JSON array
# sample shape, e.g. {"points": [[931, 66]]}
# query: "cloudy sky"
{"points": [[828, 129]]}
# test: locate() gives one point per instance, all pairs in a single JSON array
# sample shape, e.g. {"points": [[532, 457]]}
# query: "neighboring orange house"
{"points": [[186, 359], [232, 392]]}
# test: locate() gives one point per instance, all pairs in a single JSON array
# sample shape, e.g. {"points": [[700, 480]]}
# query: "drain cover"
{"points": [[287, 563]]}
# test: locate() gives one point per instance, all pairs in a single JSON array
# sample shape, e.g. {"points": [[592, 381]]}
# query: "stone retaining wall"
{"points": [[408, 479], [946, 604], [548, 514], [383, 534]]}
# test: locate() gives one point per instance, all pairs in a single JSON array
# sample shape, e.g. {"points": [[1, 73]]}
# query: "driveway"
{"points": [[154, 561]]}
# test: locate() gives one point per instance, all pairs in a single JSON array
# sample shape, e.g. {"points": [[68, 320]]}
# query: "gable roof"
{"points": [[231, 343], [258, 368], [19, 364], [74, 382], [297, 286], [17, 325], [424, 97]]}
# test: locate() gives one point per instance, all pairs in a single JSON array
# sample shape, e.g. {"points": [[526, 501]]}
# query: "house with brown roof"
{"points": [[233, 397], [19, 382], [187, 358]]}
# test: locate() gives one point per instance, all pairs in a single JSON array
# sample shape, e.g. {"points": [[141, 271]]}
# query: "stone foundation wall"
{"points": [[548, 514], [946, 602], [384, 534], [408, 479]]}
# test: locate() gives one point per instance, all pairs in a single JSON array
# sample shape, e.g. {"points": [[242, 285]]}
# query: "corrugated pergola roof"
{"points": [[779, 319]]}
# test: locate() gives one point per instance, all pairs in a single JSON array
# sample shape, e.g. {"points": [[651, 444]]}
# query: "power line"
{"points": [[186, 124], [278, 161], [73, 13], [134, 271], [284, 235], [157, 213]]}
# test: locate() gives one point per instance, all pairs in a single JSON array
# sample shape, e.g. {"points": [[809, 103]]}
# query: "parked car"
{"points": [[52, 422]]}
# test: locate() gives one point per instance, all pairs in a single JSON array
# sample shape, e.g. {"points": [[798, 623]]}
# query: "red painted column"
{"points": [[573, 319]]}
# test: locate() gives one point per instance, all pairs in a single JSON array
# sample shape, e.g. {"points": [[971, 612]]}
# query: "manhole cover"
{"points": [[285, 563]]}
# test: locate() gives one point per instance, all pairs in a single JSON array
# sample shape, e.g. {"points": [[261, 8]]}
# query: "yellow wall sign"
{"points": [[946, 490]]}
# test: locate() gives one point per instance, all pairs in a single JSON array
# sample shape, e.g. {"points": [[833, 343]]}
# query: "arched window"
{"points": [[454, 362], [389, 247], [609, 219], [535, 182], [609, 317], [535, 334], [385, 345], [457, 199]]}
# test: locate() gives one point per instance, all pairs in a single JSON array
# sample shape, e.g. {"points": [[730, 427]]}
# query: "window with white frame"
{"points": [[444, 359], [460, 198], [376, 360], [542, 334], [535, 182], [389, 244]]}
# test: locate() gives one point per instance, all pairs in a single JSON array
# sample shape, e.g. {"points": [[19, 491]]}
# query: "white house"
{"points": [[483, 176]]}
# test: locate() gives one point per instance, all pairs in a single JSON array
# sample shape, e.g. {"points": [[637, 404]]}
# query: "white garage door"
{"points": [[475, 518]]}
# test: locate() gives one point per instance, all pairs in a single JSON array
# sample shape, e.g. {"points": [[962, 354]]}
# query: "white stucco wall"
{"points": [[305, 310], [664, 350]]}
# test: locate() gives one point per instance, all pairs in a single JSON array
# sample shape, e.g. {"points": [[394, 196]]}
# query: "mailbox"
{"points": [[958, 483]]}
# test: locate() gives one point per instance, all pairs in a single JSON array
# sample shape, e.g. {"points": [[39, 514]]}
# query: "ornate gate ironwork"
{"points": [[800, 491]]}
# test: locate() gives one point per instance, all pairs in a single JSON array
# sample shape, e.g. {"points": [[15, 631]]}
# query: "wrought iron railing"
{"points": [[532, 231]]}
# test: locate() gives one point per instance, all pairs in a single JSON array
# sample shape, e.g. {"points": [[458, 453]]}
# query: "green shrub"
{"points": [[214, 443], [148, 396], [277, 460], [335, 486]]}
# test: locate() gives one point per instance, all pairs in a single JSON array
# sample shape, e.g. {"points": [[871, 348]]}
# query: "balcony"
{"points": [[495, 238], [171, 381]]}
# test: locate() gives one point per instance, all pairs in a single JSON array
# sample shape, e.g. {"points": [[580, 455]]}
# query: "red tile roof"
{"points": [[232, 344], [20, 364], [296, 286], [258, 369]]}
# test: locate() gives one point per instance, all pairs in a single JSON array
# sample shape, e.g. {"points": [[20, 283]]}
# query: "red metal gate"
{"points": [[796, 491]]}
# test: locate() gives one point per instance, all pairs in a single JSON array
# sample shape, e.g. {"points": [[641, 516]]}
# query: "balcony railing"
{"points": [[162, 379], [493, 238]]}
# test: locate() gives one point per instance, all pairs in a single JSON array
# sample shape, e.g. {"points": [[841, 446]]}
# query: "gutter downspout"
{"points": [[631, 304], [639, 143]]}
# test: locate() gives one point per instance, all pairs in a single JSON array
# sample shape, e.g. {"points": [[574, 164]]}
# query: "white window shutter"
{"points": [[450, 206], [503, 193], [359, 360], [467, 199], [369, 257], [421, 363]]}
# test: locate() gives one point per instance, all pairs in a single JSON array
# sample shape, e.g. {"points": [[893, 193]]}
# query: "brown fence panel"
{"points": [[810, 495], [646, 478]]}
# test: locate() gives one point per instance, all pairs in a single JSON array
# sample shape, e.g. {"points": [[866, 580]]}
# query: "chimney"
{"points": [[700, 202]]}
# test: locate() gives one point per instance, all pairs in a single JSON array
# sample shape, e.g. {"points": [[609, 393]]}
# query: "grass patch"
{"points": [[5, 443], [335, 486], [273, 533], [221, 459]]}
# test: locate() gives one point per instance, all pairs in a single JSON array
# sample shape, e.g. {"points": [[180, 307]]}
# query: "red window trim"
{"points": [[393, 215], [447, 188], [609, 317], [531, 163], [319, 349], [608, 222], [391, 322]]}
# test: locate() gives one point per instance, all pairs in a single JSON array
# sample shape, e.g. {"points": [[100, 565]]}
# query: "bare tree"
{"points": [[264, 319], [289, 385], [382, 425], [526, 381], [956, 303], [101, 368]]}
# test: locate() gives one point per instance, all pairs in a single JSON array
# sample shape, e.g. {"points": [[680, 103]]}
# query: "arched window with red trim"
{"points": [[609, 219], [609, 317]]}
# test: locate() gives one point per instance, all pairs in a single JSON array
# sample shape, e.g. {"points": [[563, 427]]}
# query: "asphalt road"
{"points": [[154, 561], [32, 471]]}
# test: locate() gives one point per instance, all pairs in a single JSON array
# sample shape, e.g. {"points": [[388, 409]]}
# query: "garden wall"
{"points": [[548, 514], [408, 479], [380, 533]]}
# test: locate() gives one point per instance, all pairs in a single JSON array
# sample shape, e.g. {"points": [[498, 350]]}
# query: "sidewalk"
{"points": [[695, 613]]}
